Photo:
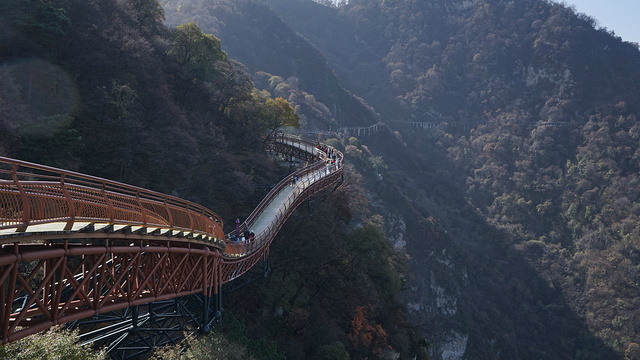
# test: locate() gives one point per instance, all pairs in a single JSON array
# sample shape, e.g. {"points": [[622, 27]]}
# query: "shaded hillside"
{"points": [[355, 46], [462, 59]]}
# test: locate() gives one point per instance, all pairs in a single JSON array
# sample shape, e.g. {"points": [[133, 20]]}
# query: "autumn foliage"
{"points": [[366, 336]]}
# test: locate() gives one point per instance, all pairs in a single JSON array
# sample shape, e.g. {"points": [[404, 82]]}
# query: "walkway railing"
{"points": [[281, 201], [40, 198]]}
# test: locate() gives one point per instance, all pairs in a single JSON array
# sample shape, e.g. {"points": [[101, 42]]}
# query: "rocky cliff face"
{"points": [[431, 305]]}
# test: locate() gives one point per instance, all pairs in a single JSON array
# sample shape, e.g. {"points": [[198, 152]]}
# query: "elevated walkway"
{"points": [[98, 246]]}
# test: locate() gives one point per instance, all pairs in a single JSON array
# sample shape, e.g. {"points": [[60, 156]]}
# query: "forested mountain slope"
{"points": [[521, 225]]}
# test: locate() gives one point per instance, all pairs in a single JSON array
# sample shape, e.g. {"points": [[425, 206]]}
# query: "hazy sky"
{"points": [[621, 16]]}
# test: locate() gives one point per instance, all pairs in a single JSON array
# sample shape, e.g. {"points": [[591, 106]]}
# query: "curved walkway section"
{"points": [[73, 245], [269, 216]]}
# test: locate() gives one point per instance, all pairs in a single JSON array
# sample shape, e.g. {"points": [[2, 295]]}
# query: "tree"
{"points": [[373, 253], [213, 346], [50, 140], [278, 113], [53, 344], [367, 337], [632, 352], [40, 26], [149, 14], [233, 85], [377, 164], [195, 50], [335, 351]]}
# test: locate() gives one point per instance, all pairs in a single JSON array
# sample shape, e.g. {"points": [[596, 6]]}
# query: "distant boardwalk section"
{"points": [[362, 130]]}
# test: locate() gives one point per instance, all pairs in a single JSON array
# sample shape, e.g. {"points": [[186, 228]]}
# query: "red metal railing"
{"points": [[32, 194]]}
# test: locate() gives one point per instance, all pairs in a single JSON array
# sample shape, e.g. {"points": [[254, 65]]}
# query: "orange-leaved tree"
{"points": [[367, 337]]}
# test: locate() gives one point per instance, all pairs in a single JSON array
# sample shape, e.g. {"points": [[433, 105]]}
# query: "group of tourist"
{"points": [[245, 237], [331, 153]]}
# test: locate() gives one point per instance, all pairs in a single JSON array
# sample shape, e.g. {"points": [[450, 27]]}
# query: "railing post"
{"points": [[110, 211], [6, 320], [26, 203], [190, 217], [266, 264], [217, 300], [217, 283], [206, 304], [135, 312], [206, 288], [72, 209], [4, 308], [166, 206], [142, 209]]}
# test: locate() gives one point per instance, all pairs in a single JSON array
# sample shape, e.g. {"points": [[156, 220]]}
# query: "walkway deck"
{"points": [[281, 202]]}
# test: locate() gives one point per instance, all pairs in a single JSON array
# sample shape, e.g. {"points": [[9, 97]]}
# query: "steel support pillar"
{"points": [[217, 301], [206, 305], [266, 266], [135, 313]]}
